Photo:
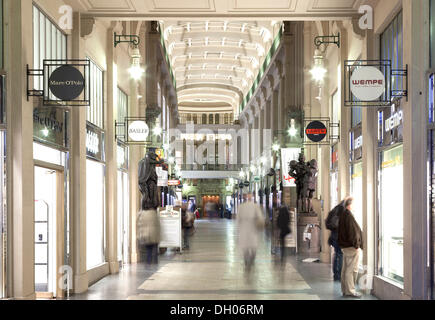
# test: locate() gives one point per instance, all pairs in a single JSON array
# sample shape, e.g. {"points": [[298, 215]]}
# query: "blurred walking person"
{"points": [[187, 223], [250, 222], [148, 230], [283, 224], [350, 239], [332, 223]]}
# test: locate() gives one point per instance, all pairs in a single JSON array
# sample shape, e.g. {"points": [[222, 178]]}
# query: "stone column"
{"points": [[78, 176], [416, 56], [111, 153], [369, 171], [18, 14], [134, 158]]}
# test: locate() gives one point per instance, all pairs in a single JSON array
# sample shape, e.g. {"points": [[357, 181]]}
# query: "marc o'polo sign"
{"points": [[138, 131], [66, 83], [316, 131], [367, 83]]}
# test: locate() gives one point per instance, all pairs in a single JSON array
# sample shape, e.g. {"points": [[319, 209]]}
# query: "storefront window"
{"points": [[356, 191], [95, 209], [95, 92], [122, 106], [390, 168], [49, 42], [391, 213]]}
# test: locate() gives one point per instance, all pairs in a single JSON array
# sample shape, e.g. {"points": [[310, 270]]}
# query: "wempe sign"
{"points": [[367, 83]]}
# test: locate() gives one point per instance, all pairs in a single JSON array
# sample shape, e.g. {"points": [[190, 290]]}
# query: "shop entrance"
{"points": [[211, 206], [49, 231]]}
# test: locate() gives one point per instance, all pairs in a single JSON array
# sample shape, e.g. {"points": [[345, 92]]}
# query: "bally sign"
{"points": [[138, 131], [316, 131], [66, 83], [367, 83]]}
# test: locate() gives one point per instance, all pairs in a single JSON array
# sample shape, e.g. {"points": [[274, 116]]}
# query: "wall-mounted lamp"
{"points": [[276, 147], [126, 38], [136, 71], [318, 41], [318, 71], [292, 131], [157, 131]]}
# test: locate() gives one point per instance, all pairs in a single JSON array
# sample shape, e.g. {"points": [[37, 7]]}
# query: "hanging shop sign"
{"points": [[319, 131], [49, 126], [367, 83], [373, 83], [356, 143], [257, 179], [64, 82], [94, 142], [138, 131], [288, 155], [246, 184], [241, 185], [134, 131], [316, 131], [390, 125]]}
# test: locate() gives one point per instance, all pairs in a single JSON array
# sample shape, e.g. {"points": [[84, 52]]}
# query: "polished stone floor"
{"points": [[213, 270]]}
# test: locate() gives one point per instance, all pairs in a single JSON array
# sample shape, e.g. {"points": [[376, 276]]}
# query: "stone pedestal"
{"points": [[312, 246]]}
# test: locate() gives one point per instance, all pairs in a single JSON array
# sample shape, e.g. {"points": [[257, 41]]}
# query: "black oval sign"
{"points": [[241, 185], [316, 131], [66, 83], [247, 183]]}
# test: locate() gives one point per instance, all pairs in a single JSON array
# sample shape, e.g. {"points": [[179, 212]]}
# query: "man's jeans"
{"points": [[337, 263]]}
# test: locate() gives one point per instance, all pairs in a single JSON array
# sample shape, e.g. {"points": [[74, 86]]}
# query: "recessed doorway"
{"points": [[49, 231]]}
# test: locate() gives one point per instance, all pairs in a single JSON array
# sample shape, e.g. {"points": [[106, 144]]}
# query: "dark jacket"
{"points": [[349, 232], [283, 222], [333, 219]]}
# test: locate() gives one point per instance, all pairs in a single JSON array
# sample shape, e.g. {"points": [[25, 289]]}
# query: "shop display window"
{"points": [[391, 214], [95, 213], [356, 189]]}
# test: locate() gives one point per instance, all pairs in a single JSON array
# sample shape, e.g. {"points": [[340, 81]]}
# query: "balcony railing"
{"points": [[211, 167]]}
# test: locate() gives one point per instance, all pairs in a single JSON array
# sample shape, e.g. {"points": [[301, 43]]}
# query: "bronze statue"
{"points": [[305, 175], [148, 181]]}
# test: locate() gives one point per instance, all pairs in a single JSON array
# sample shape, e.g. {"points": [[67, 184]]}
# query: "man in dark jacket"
{"points": [[332, 224], [350, 240], [283, 223]]}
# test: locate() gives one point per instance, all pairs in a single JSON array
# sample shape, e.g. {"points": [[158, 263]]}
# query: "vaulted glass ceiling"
{"points": [[216, 62]]}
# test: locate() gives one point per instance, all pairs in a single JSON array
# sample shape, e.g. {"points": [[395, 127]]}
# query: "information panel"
{"points": [[170, 227]]}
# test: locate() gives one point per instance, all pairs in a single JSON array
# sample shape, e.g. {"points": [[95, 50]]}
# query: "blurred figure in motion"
{"points": [[332, 223], [283, 224], [250, 223], [350, 239], [148, 230], [187, 223]]}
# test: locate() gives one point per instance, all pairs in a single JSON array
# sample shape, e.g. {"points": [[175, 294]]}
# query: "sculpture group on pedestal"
{"points": [[148, 181], [305, 174]]}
